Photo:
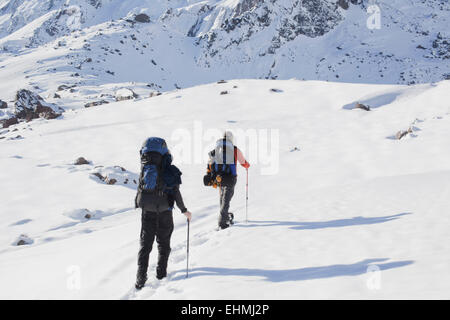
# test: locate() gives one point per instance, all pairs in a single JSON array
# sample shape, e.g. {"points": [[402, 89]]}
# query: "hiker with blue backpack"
{"points": [[158, 191], [222, 174]]}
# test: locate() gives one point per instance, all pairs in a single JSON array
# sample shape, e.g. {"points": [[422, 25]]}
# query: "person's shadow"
{"points": [[296, 225], [284, 275], [281, 275]]}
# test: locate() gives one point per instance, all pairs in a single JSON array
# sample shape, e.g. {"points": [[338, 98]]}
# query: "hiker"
{"points": [[157, 193], [222, 173]]}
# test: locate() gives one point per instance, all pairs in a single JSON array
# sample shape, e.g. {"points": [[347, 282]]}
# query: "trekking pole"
{"points": [[246, 200], [187, 260]]}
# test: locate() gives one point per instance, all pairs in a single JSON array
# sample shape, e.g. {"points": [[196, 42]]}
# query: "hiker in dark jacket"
{"points": [[157, 205], [222, 173]]}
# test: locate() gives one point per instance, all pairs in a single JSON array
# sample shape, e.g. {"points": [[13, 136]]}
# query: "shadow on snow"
{"points": [[310, 273], [295, 225]]}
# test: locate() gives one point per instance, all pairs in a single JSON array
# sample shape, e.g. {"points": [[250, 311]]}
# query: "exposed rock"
{"points": [[81, 161], [441, 47], [56, 96], [22, 240], [224, 92], [3, 104], [9, 122], [343, 4], [110, 181], [221, 81], [280, 23], [65, 87], [115, 175], [80, 214], [154, 94], [98, 175], [125, 94], [142, 18], [402, 133], [362, 106], [29, 106], [95, 103], [19, 137], [276, 90]]}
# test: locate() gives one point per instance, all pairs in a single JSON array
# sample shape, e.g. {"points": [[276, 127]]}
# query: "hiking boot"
{"points": [[140, 282], [161, 273], [231, 218], [223, 226]]}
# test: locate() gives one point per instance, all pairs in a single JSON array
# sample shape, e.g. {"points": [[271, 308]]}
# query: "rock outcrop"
{"points": [[29, 106], [125, 94]]}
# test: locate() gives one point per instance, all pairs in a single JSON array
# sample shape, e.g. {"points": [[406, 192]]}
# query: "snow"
{"points": [[338, 207], [348, 201], [249, 50]]}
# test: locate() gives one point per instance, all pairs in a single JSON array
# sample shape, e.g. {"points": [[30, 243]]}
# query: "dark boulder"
{"points": [[9, 122], [362, 106], [142, 18], [96, 103], [3, 104], [80, 161], [276, 90], [110, 181], [65, 87], [343, 4], [29, 106]]}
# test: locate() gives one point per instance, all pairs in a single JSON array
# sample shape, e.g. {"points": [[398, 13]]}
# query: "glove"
{"points": [[188, 215], [246, 165]]}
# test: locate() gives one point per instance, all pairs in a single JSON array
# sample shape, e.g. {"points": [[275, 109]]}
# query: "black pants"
{"points": [[226, 194], [159, 225]]}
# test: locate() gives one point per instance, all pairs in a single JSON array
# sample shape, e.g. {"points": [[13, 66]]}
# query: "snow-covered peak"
{"points": [[181, 43]]}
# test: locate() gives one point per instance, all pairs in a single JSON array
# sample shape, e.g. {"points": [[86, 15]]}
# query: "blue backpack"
{"points": [[153, 190], [224, 158]]}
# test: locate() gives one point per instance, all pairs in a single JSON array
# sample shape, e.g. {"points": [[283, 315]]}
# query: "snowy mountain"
{"points": [[351, 212], [188, 42], [349, 180]]}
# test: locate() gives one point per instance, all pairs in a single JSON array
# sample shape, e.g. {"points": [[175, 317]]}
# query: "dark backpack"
{"points": [[222, 167], [152, 195]]}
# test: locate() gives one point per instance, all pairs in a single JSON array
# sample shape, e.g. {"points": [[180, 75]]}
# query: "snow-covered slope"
{"points": [[185, 43], [350, 213]]}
